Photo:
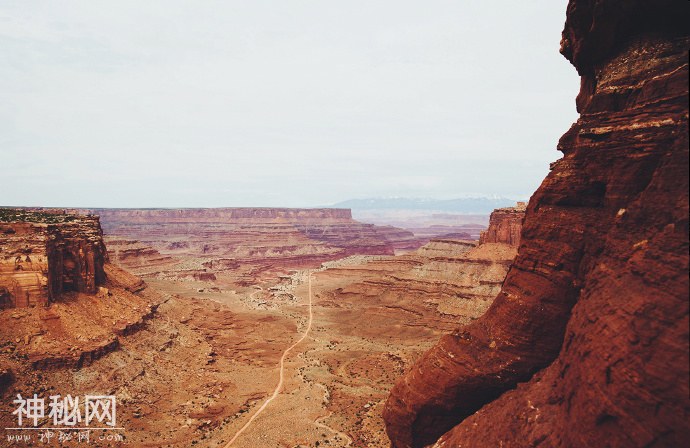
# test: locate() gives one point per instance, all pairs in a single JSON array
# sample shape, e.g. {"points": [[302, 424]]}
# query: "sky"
{"points": [[289, 103]]}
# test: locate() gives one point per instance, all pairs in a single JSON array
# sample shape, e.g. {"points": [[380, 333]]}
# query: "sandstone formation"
{"points": [[137, 256], [587, 343], [376, 315], [430, 225], [445, 277], [246, 245], [330, 226], [505, 225], [43, 254], [229, 230], [59, 260], [219, 308]]}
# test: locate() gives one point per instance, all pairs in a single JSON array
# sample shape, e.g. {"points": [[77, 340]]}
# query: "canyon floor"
{"points": [[208, 357], [335, 380], [278, 349]]}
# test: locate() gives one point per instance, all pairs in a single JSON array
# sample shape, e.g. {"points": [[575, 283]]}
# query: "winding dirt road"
{"points": [[279, 386]]}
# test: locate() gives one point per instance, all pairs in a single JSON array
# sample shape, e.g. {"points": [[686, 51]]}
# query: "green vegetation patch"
{"points": [[37, 216]]}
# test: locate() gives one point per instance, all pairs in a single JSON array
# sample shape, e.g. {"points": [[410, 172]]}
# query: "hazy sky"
{"points": [[278, 103]]}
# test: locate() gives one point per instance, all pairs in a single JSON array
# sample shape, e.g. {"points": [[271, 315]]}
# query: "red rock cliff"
{"points": [[587, 343], [505, 226], [228, 228], [45, 253]]}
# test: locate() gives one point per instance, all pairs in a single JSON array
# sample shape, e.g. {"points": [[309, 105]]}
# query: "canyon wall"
{"points": [[587, 342], [43, 254], [446, 279], [227, 230], [505, 225], [114, 216], [379, 314], [249, 244]]}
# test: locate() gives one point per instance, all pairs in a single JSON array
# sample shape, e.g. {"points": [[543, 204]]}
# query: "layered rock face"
{"points": [[382, 313], [46, 253], [505, 225], [445, 277], [238, 230], [114, 216], [587, 343], [137, 256], [248, 243]]}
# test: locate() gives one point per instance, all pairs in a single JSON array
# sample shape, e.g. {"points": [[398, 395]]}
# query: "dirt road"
{"points": [[279, 386]]}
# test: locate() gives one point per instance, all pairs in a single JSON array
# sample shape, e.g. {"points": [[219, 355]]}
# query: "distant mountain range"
{"points": [[478, 205]]}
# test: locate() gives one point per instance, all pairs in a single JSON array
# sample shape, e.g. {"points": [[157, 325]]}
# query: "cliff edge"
{"points": [[505, 225], [587, 342], [43, 254]]}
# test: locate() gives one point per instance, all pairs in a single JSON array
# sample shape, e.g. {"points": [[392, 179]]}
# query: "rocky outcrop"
{"points": [[446, 280], [75, 332], [126, 280], [136, 256], [505, 225], [353, 238], [587, 343], [75, 360], [46, 253], [48, 256], [402, 240]]}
